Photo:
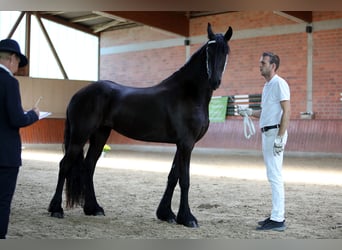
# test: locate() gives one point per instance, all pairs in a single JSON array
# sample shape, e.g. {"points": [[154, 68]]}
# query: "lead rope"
{"points": [[248, 127]]}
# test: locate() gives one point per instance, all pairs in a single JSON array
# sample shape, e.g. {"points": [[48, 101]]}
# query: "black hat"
{"points": [[10, 45]]}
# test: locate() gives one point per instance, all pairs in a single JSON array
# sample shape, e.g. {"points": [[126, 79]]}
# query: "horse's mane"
{"points": [[194, 56], [185, 66], [201, 51]]}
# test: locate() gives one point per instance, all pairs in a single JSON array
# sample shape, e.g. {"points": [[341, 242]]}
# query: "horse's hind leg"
{"points": [[55, 207], [96, 143]]}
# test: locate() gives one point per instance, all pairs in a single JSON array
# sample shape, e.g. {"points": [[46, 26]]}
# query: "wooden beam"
{"points": [[297, 16], [15, 26], [67, 23], [84, 18], [166, 20], [101, 27], [54, 52], [23, 71], [28, 43]]}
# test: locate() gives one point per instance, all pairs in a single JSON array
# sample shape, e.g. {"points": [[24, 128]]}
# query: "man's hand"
{"points": [[36, 110], [244, 111], [278, 146]]}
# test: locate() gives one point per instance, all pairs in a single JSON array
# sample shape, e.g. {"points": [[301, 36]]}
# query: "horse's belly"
{"points": [[149, 134]]}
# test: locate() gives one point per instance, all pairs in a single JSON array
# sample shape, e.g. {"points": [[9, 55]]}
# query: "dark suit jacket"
{"points": [[12, 118]]}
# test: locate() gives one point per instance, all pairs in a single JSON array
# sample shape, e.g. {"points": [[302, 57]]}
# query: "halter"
{"points": [[207, 59]]}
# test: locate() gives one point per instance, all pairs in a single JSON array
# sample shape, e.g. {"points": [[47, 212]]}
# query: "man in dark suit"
{"points": [[12, 118]]}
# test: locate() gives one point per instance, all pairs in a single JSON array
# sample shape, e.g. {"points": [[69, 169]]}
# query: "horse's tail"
{"points": [[74, 173], [66, 134]]}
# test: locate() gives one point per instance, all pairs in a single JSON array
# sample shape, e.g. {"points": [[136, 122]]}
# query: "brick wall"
{"points": [[242, 75], [140, 67], [150, 66], [327, 74], [144, 56], [238, 20], [254, 32]]}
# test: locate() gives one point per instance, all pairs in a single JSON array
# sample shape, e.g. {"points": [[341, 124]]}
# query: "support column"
{"points": [[309, 70], [28, 41], [187, 49]]}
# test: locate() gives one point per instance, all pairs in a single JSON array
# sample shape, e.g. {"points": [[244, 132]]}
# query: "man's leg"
{"points": [[274, 174], [8, 180]]}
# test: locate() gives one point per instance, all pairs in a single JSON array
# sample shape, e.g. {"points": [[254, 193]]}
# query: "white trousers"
{"points": [[274, 165]]}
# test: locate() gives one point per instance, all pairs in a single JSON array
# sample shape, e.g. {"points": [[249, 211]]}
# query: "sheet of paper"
{"points": [[43, 114]]}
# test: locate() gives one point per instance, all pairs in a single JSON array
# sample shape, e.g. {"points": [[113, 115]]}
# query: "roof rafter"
{"points": [[170, 21], [84, 18], [67, 23], [297, 16], [101, 27]]}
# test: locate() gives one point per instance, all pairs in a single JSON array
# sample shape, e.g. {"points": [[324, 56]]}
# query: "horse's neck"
{"points": [[194, 70], [197, 62], [192, 78]]}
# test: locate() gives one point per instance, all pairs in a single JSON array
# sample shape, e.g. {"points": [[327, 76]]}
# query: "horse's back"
{"points": [[95, 93], [88, 103]]}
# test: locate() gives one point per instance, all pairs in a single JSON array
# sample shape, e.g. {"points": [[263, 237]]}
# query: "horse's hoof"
{"points": [[99, 213], [166, 215], [171, 221], [58, 215], [93, 211], [192, 224]]}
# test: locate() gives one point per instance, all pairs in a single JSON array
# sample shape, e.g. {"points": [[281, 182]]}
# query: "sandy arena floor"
{"points": [[229, 193]]}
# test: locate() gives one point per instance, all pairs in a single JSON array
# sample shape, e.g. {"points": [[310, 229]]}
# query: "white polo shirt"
{"points": [[275, 91]]}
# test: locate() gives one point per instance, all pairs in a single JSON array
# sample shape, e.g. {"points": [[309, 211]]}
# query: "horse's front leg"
{"points": [[184, 216], [164, 211]]}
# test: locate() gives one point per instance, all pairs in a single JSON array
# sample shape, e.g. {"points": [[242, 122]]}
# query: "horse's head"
{"points": [[217, 50]]}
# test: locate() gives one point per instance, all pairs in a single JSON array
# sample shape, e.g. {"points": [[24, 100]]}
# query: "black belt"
{"points": [[264, 129]]}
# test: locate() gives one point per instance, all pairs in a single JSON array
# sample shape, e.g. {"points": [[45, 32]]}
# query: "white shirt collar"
{"points": [[270, 81], [5, 68]]}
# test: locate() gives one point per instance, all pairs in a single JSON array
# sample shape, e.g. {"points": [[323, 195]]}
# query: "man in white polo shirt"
{"points": [[274, 119]]}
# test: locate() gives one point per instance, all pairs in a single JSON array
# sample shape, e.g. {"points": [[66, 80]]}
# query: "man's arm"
{"points": [[256, 113], [285, 118]]}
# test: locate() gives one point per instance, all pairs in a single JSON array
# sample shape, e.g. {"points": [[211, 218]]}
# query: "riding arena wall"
{"points": [[310, 61]]}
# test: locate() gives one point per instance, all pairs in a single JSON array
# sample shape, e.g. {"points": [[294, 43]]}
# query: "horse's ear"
{"points": [[211, 35], [228, 34]]}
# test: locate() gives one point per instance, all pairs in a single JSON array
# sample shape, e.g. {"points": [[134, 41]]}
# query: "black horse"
{"points": [[174, 111]]}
